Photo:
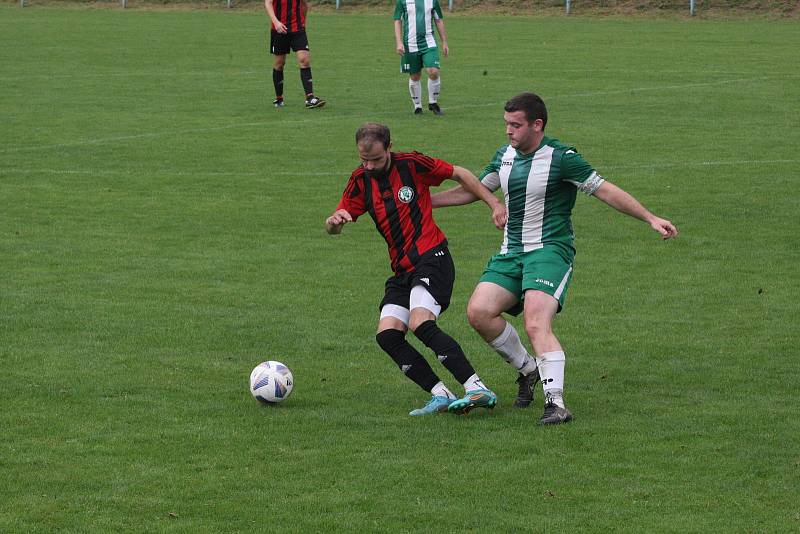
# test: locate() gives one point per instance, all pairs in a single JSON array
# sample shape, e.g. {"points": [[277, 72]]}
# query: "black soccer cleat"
{"points": [[526, 387], [417, 111], [278, 102], [314, 102], [554, 414], [436, 109]]}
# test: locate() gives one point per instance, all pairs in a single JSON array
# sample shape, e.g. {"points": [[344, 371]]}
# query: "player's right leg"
{"points": [[498, 292], [392, 339], [279, 47], [411, 64]]}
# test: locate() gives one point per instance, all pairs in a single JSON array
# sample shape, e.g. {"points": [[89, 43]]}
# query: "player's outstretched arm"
{"points": [[470, 184], [457, 196], [624, 202], [334, 223]]}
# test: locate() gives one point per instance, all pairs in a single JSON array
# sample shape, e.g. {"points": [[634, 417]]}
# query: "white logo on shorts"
{"points": [[545, 282], [426, 281]]}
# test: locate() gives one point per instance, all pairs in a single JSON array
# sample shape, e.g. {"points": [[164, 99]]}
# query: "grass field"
{"points": [[161, 233]]}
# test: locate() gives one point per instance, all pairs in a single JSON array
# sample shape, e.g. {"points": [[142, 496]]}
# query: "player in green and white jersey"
{"points": [[540, 178], [416, 44]]}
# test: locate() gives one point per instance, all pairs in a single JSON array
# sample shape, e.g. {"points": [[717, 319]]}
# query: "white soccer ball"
{"points": [[271, 382]]}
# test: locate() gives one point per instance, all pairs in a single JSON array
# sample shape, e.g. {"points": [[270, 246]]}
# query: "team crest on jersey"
{"points": [[406, 194]]}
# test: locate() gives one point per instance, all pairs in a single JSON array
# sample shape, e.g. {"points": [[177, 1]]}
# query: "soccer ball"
{"points": [[271, 382]]}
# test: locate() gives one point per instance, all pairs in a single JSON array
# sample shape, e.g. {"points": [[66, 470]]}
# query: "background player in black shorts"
{"points": [[289, 33]]}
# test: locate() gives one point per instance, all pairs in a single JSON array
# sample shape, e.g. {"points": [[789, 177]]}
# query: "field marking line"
{"points": [[152, 135], [168, 172]]}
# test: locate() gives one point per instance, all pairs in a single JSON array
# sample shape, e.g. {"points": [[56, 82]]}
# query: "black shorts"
{"points": [[435, 271], [280, 43]]}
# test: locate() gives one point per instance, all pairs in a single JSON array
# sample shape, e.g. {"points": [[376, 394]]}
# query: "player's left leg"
{"points": [[547, 273], [432, 287], [300, 46], [430, 59], [434, 86]]}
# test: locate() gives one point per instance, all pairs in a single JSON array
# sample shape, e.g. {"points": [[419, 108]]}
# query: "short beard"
{"points": [[377, 174]]}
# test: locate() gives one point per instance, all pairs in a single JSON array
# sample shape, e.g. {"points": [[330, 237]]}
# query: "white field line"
{"points": [[317, 118], [259, 73], [169, 172]]}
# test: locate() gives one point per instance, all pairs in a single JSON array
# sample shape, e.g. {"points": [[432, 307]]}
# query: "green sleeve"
{"points": [[399, 9], [574, 168], [494, 165], [437, 9]]}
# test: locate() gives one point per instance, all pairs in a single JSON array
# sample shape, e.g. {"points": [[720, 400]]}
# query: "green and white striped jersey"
{"points": [[540, 190], [418, 17]]}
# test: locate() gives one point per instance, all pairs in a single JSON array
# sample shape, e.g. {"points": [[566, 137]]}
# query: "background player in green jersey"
{"points": [[540, 178], [413, 32]]}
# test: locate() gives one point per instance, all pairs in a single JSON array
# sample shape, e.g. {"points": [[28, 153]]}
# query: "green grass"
{"points": [[161, 233]]}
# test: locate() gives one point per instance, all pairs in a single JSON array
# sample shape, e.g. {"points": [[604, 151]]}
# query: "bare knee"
{"points": [[537, 330], [481, 319]]}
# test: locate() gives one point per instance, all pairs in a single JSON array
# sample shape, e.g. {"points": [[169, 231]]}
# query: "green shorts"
{"points": [[414, 61], [548, 269]]}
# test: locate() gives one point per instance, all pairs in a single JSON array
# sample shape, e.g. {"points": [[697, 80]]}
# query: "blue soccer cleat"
{"points": [[437, 404]]}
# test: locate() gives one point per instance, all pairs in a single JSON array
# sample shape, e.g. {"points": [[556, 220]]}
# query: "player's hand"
{"points": [[664, 227], [400, 49], [445, 49], [280, 27], [334, 223], [499, 215]]}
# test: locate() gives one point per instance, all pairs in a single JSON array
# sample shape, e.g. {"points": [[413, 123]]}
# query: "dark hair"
{"points": [[370, 132], [532, 104]]}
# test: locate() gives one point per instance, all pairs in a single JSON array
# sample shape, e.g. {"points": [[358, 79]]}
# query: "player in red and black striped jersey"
{"points": [[289, 33], [394, 189]]}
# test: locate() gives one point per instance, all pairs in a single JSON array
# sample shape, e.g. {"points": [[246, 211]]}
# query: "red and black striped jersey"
{"points": [[400, 204], [291, 13]]}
